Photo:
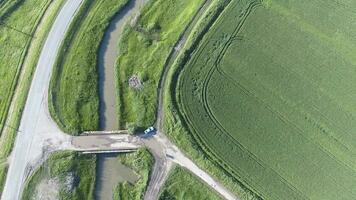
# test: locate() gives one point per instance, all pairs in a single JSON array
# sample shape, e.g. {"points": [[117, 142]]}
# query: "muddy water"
{"points": [[109, 173], [109, 170]]}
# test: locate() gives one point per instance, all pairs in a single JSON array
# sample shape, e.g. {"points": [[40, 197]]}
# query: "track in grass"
{"points": [[269, 94]]}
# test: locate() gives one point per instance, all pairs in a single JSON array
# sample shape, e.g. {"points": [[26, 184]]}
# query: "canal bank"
{"points": [[109, 171]]}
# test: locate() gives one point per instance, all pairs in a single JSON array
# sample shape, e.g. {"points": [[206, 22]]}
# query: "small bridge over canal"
{"points": [[106, 142]]}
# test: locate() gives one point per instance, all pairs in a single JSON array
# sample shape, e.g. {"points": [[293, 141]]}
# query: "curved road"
{"points": [[36, 126], [39, 135]]}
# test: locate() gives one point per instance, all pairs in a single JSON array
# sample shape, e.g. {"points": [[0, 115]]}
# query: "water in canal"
{"points": [[109, 171]]}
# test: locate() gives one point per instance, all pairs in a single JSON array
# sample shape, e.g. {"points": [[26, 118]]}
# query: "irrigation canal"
{"points": [[109, 171]]}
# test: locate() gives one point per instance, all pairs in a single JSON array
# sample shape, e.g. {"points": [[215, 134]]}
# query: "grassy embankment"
{"points": [[21, 42], [74, 97], [175, 127], [276, 95], [141, 56], [74, 92], [181, 185], [16, 36], [75, 180], [144, 49], [141, 162]]}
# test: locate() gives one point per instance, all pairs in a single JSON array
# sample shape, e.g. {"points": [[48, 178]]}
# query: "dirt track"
{"points": [[40, 134], [161, 143]]}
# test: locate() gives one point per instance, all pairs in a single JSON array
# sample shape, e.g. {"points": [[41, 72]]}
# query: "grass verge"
{"points": [[174, 126], [18, 100], [181, 185], [74, 97], [65, 175], [240, 95], [144, 49], [141, 162], [16, 35]]}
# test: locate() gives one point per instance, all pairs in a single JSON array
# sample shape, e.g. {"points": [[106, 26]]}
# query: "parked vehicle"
{"points": [[170, 156], [150, 130]]}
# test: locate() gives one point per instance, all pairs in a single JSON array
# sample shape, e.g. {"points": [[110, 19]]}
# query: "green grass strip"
{"points": [[74, 97], [141, 162], [144, 49], [25, 76], [176, 129], [181, 185], [59, 168]]}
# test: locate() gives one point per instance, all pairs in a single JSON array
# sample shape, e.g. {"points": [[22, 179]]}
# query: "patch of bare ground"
{"points": [[135, 82], [48, 189]]}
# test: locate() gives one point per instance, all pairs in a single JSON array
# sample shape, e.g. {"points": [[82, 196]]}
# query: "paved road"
{"points": [[113, 142], [37, 130], [39, 134]]}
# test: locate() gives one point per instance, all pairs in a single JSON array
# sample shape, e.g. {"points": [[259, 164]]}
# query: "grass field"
{"points": [[57, 170], [141, 162], [27, 65], [181, 185], [8, 6], [16, 35], [173, 125], [144, 49], [272, 86], [74, 97]]}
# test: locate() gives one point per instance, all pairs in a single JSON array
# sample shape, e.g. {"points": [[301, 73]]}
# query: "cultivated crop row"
{"points": [[261, 105]]}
